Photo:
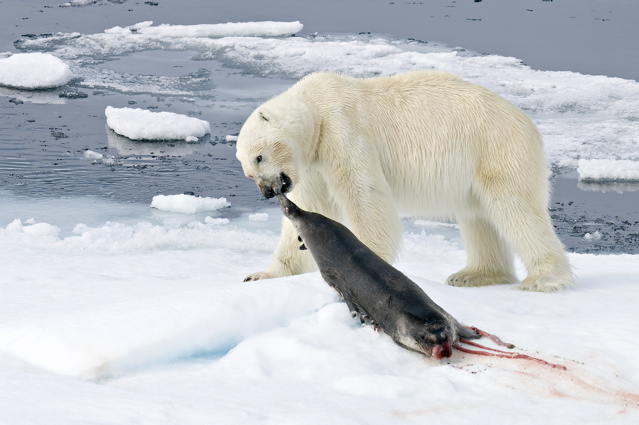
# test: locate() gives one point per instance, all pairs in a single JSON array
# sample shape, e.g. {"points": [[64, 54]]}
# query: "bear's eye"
{"points": [[258, 159]]}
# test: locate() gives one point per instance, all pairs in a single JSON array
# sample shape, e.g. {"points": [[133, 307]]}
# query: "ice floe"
{"points": [[229, 29], [34, 71], [188, 204], [608, 170], [141, 124]]}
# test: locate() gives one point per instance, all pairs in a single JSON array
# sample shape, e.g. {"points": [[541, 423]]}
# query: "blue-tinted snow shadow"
{"points": [[214, 322]]}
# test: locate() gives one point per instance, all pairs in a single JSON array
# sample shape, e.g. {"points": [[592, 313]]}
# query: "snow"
{"points": [[141, 124], [230, 29], [608, 170], [150, 323], [188, 204], [32, 228], [216, 220], [78, 3], [258, 217], [34, 71]]}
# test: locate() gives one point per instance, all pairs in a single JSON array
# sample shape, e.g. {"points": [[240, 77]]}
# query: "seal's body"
{"points": [[373, 288]]}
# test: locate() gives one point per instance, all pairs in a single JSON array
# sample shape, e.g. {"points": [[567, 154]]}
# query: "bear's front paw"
{"points": [[257, 276], [469, 278]]}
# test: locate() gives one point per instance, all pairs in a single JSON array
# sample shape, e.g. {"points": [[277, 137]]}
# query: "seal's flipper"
{"points": [[464, 332], [354, 308]]}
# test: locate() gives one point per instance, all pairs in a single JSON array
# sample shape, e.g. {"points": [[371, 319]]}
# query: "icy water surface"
{"points": [[45, 135], [596, 217]]}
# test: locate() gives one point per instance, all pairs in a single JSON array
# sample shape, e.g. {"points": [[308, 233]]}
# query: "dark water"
{"points": [[42, 149], [610, 210], [46, 156], [42, 145]]}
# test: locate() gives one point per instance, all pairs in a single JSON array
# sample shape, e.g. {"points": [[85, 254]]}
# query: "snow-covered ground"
{"points": [[148, 322], [116, 313]]}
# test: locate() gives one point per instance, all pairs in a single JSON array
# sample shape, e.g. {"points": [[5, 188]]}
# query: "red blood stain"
{"points": [[492, 352]]}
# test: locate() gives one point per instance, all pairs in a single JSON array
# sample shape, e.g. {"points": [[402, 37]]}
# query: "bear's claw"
{"points": [[467, 278], [257, 276]]}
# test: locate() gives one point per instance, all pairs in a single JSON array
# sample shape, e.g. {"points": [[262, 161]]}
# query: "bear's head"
{"points": [[271, 145]]}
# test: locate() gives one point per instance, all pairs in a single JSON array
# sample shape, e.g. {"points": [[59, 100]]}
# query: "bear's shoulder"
{"points": [[324, 78], [429, 75], [321, 77]]}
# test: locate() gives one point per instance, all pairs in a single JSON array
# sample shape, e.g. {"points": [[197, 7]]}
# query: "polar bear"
{"points": [[423, 143]]}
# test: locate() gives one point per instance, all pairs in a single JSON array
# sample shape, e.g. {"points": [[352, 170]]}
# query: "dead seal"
{"points": [[374, 289]]}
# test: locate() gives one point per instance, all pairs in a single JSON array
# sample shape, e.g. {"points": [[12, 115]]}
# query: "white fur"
{"points": [[423, 143]]}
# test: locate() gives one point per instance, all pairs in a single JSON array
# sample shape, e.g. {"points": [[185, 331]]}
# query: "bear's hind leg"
{"points": [[489, 262], [528, 229]]}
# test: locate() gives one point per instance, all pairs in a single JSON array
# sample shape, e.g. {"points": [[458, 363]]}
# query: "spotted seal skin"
{"points": [[374, 289]]}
